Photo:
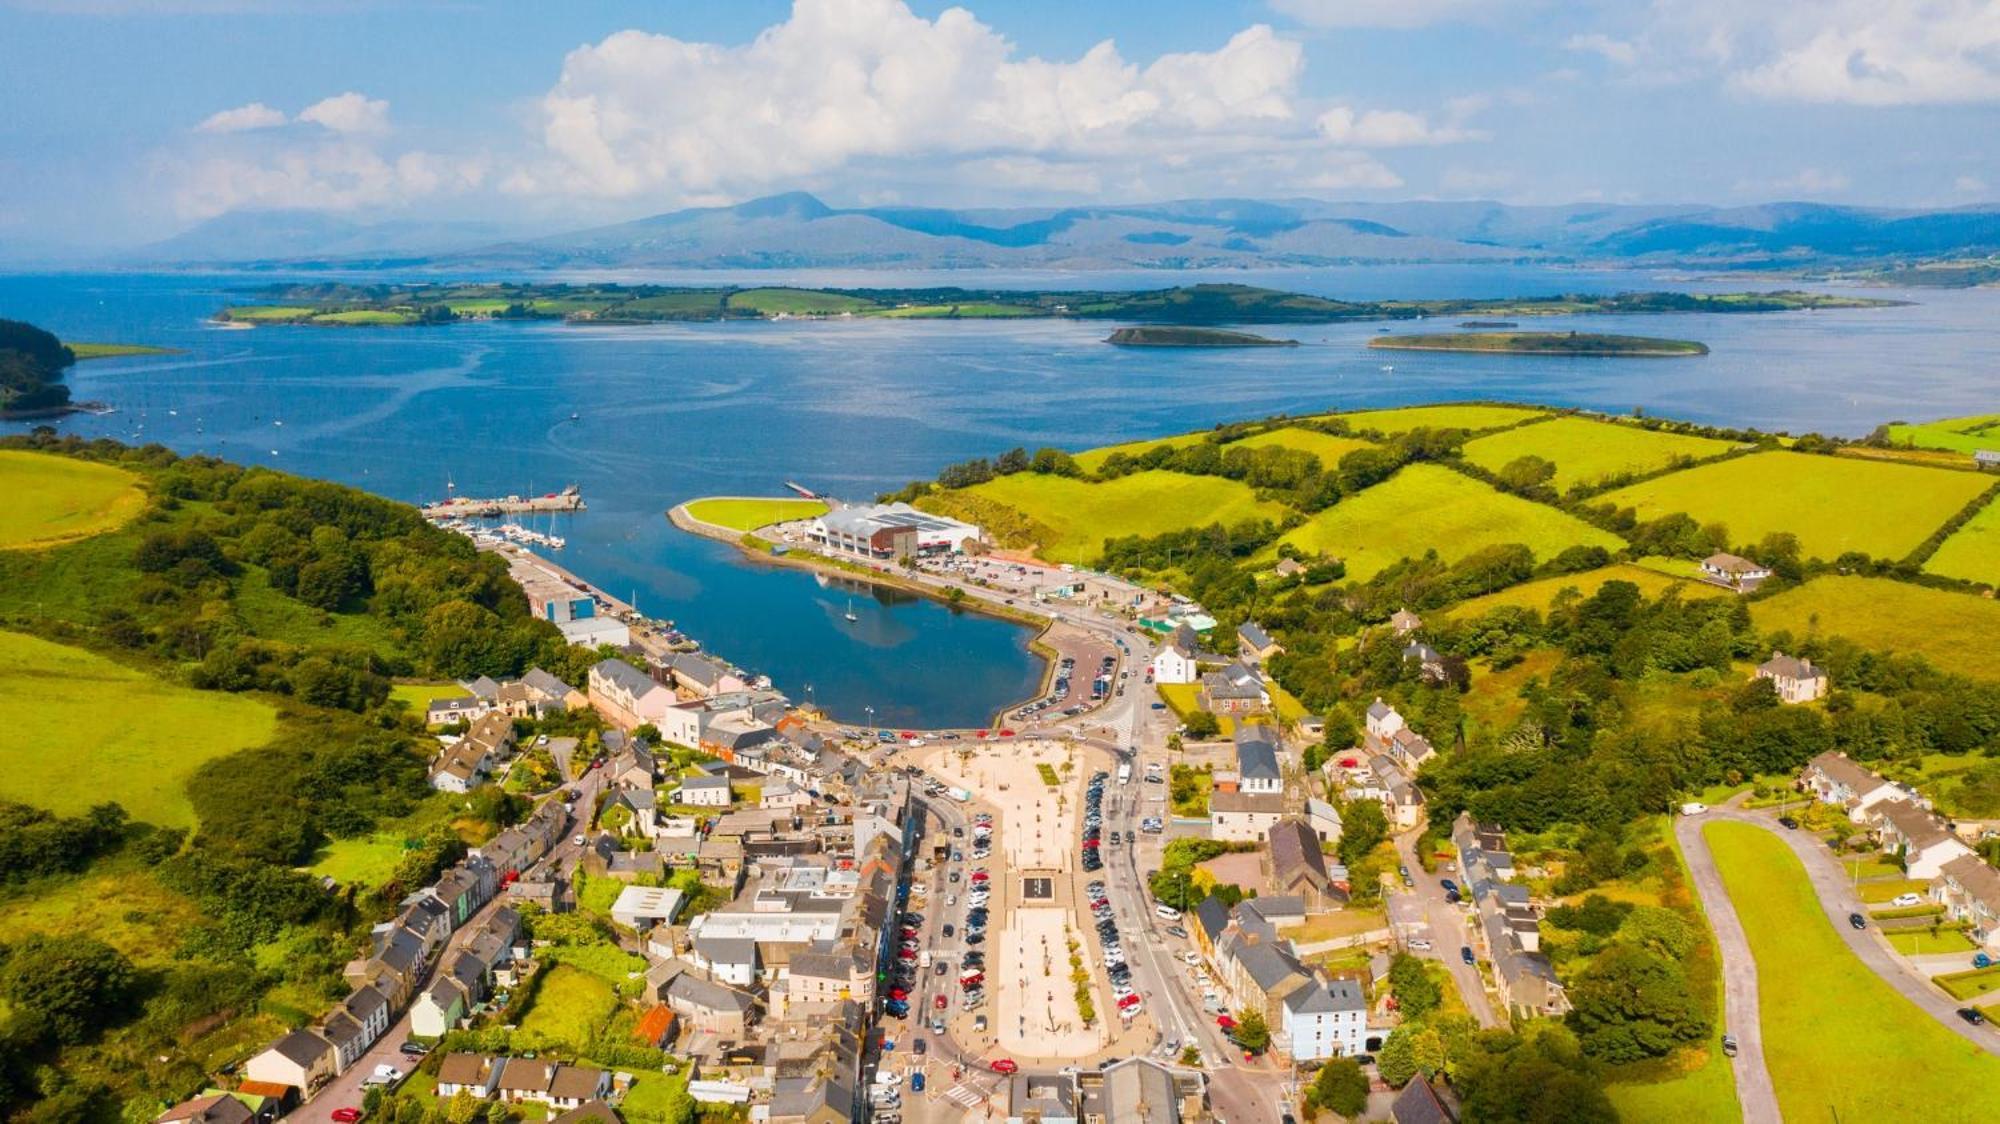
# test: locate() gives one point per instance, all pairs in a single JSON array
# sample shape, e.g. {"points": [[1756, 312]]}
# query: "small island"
{"points": [[86, 351], [1489, 325], [1543, 343], [1160, 335]]}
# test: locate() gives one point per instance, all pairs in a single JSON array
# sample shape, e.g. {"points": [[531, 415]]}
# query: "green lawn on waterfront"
{"points": [[748, 514], [1839, 1042]]}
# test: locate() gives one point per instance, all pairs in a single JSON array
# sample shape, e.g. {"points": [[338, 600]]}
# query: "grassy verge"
{"points": [[1839, 1042]]}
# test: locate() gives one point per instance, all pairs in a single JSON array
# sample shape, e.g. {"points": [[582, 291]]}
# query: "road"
{"points": [[1837, 898], [1447, 925], [1741, 1012], [345, 1090]]}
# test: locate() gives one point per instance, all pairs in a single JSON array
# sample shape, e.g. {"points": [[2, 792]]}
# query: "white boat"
{"points": [[850, 610]]}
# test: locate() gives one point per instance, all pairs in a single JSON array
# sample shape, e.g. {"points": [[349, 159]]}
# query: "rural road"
{"points": [[1838, 899], [1741, 1014]]}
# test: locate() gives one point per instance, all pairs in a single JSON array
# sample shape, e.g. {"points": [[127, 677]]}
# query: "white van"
{"points": [[1168, 912], [1693, 809]]}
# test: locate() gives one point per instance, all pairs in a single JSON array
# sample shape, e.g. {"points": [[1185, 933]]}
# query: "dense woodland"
{"points": [[32, 363]]}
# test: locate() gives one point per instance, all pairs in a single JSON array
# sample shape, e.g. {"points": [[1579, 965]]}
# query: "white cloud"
{"points": [[333, 175], [1969, 185], [348, 113], [1385, 13], [1598, 43], [243, 118], [1807, 183], [843, 81], [1397, 128], [1852, 52]]}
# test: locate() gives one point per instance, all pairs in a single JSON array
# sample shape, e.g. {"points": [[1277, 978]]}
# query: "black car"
{"points": [[1857, 921], [413, 1049], [1972, 1015], [947, 930], [1789, 822]]}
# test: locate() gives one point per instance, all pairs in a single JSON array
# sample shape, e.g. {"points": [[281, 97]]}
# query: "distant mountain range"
{"points": [[796, 230]]}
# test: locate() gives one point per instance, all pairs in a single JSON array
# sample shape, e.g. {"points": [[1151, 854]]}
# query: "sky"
{"points": [[128, 121]]}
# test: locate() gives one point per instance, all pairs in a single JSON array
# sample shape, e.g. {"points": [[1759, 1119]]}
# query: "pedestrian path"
{"points": [[964, 1096]]}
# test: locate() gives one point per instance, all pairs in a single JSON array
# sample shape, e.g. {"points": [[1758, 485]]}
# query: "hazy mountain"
{"points": [[269, 236], [796, 230]]}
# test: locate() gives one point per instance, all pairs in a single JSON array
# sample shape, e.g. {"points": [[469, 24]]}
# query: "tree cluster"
{"points": [[32, 362]]}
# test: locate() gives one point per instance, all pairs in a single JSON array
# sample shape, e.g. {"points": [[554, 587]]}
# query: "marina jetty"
{"points": [[468, 507]]}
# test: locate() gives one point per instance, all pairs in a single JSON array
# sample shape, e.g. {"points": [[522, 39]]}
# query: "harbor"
{"points": [[570, 499]]}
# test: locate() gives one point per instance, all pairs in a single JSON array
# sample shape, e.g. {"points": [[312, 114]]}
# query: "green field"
{"points": [[118, 901], [77, 729], [1539, 593], [1079, 515], [418, 696], [1424, 507], [1973, 551], [274, 616], [1833, 504], [1437, 417], [1328, 448], [84, 351], [1586, 451], [1092, 459], [1959, 435], [53, 500], [798, 302], [256, 313], [744, 514], [570, 1006], [365, 316], [1840, 1044], [1595, 344], [1956, 631]]}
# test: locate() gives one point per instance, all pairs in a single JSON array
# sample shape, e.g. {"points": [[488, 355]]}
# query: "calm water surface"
{"points": [[859, 407]]}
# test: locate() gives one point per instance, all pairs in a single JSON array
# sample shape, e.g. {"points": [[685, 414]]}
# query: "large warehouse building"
{"points": [[891, 530]]}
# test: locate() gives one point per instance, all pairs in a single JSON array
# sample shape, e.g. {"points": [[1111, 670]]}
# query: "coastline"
{"points": [[756, 550]]}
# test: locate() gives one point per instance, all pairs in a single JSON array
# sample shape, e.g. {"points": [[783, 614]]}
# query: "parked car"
{"points": [[1907, 900], [1420, 944], [1789, 822], [1972, 1015], [346, 1115], [1465, 954], [1728, 1045]]}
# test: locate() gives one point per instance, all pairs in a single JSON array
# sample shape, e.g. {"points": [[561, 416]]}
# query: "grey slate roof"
{"points": [[1253, 634], [1256, 754], [626, 677]]}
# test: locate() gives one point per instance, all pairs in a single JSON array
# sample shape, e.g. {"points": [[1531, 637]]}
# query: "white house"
{"points": [[1325, 1020], [438, 1008], [1383, 721], [1734, 571], [1796, 680], [1834, 779], [1175, 662], [1257, 760], [1969, 891], [474, 1074], [642, 907], [1243, 817], [706, 792], [1925, 844], [301, 1059]]}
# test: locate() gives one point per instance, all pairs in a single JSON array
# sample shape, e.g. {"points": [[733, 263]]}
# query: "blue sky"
{"points": [[128, 121]]}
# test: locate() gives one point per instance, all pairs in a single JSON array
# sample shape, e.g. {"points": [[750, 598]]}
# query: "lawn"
{"points": [[1833, 504], [1538, 594], [1080, 515], [1185, 699], [798, 302], [369, 860], [1586, 451], [77, 729], [418, 696], [118, 901], [1965, 435], [1091, 460], [747, 514], [1973, 551], [1923, 942], [1494, 702], [1327, 447], [651, 1098], [1956, 631], [1839, 1042], [570, 1005], [1437, 417], [60, 499], [1966, 984], [1890, 889], [1424, 507]]}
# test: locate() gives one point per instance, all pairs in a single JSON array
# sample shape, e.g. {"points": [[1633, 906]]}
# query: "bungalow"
{"points": [[704, 792], [1796, 680], [1176, 660], [1986, 458], [1734, 572], [1243, 816], [1288, 568], [1233, 689], [1325, 1019], [209, 1108], [626, 696], [1834, 779], [1969, 891], [1254, 644], [1257, 760], [473, 1074], [1921, 838], [550, 1083], [301, 1059]]}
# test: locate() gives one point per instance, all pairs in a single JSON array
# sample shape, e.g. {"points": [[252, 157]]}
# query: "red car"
{"points": [[941, 1003], [1007, 734], [907, 954], [898, 993], [973, 980], [346, 1115], [1005, 1065], [1225, 1022], [1129, 1001]]}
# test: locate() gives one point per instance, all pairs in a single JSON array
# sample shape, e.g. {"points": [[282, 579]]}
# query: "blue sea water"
{"points": [[670, 412]]}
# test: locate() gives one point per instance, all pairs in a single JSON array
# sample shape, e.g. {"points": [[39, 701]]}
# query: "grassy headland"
{"points": [[84, 351], [1542, 343], [1161, 335]]}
